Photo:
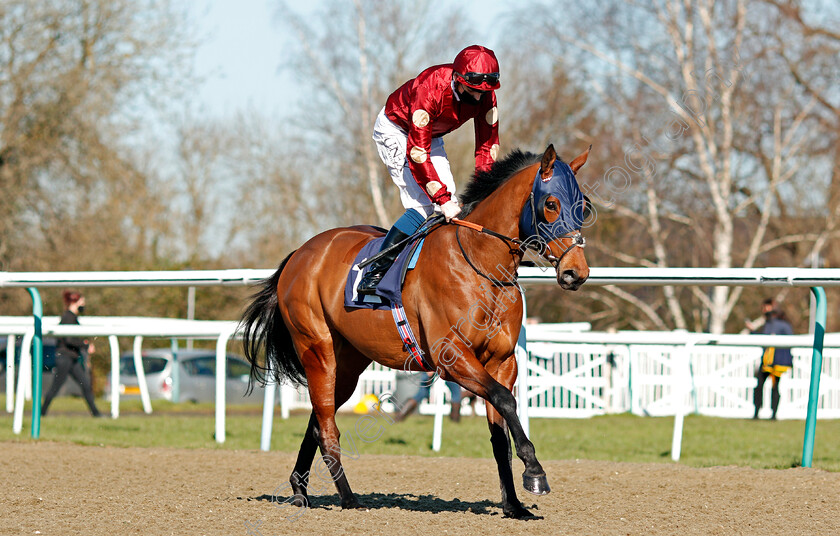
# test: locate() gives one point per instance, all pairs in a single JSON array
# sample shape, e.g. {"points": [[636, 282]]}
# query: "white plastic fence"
{"points": [[775, 277], [114, 327], [578, 380], [565, 380], [642, 374], [643, 378]]}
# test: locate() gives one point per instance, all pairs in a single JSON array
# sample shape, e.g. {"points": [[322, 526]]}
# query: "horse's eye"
{"points": [[551, 205]]}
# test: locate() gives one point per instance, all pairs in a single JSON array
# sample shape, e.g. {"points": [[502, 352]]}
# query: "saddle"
{"points": [[389, 290]]}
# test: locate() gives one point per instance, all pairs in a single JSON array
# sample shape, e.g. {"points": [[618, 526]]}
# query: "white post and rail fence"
{"points": [[813, 278]]}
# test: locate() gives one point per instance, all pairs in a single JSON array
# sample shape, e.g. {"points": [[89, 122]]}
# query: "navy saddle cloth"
{"points": [[389, 289]]}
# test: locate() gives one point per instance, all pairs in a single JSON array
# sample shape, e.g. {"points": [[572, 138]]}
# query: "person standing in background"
{"points": [[424, 391], [774, 361], [71, 354]]}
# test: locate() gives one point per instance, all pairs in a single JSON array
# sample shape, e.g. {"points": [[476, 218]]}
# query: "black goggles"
{"points": [[476, 79]]}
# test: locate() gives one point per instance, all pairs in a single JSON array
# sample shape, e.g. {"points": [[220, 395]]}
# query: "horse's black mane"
{"points": [[484, 183]]}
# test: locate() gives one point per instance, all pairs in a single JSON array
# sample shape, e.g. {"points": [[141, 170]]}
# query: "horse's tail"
{"points": [[264, 328]]}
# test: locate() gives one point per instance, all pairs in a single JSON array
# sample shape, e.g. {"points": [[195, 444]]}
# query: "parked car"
{"points": [[196, 376]]}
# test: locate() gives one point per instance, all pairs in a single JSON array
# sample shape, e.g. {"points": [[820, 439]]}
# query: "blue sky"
{"points": [[241, 48], [239, 54]]}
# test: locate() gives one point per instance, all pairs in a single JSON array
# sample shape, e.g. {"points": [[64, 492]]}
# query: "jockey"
{"points": [[408, 133]]}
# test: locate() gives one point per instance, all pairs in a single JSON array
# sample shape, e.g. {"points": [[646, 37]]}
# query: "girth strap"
{"points": [[408, 339]]}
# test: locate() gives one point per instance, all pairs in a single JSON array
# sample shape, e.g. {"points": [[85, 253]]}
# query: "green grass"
{"points": [[707, 441]]}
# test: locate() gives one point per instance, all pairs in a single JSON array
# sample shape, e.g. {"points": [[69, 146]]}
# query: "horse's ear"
{"points": [[580, 160], [547, 163]]}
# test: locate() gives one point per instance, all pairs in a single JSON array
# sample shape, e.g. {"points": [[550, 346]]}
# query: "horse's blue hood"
{"points": [[564, 186]]}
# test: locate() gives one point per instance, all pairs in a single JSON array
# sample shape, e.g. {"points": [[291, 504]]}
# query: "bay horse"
{"points": [[310, 338]]}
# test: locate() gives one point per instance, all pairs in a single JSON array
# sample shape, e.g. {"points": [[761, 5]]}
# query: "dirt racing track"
{"points": [[51, 488]]}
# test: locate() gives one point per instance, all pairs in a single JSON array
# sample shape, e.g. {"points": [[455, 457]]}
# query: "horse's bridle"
{"points": [[517, 247]]}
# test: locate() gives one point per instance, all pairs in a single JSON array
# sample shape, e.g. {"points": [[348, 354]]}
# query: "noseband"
{"points": [[517, 247]]}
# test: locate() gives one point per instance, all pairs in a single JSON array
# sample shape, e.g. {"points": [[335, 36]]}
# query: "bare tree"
{"points": [[350, 57], [713, 134], [277, 205], [70, 72], [812, 62]]}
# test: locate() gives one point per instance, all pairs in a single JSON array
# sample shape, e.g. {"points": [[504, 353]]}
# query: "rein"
{"points": [[481, 229], [517, 247]]}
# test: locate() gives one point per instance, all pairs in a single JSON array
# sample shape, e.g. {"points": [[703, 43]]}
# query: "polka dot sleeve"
{"points": [[424, 109], [486, 134]]}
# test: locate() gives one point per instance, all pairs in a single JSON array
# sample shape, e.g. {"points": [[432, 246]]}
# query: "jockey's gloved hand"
{"points": [[450, 209]]}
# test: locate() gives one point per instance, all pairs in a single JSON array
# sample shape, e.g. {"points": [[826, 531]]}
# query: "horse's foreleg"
{"points": [[500, 440], [533, 478], [470, 374]]}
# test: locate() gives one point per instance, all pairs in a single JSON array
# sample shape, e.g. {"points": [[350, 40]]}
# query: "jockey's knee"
{"points": [[411, 220]]}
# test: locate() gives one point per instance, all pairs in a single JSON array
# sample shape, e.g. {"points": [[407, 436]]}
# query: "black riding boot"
{"points": [[377, 270]]}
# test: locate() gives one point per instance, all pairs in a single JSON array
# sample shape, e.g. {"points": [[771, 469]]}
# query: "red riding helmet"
{"points": [[476, 67]]}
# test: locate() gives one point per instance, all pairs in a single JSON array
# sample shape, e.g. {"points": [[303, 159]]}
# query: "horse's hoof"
{"points": [[352, 505], [538, 485], [518, 512], [301, 500]]}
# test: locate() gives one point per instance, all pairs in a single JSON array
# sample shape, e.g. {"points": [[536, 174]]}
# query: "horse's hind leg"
{"points": [[327, 394], [500, 440], [300, 474]]}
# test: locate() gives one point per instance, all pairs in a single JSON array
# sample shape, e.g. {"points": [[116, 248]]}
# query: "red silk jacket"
{"points": [[426, 107]]}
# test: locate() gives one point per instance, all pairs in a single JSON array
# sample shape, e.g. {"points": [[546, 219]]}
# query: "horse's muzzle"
{"points": [[570, 279]]}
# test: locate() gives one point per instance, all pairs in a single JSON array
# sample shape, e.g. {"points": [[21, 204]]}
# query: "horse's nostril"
{"points": [[570, 276]]}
